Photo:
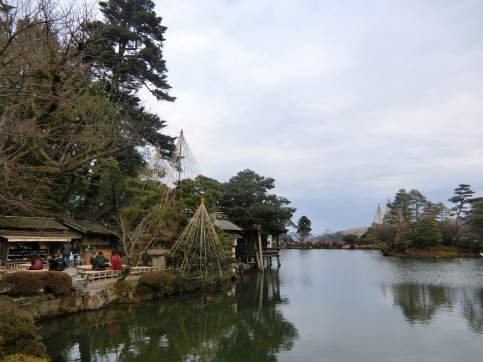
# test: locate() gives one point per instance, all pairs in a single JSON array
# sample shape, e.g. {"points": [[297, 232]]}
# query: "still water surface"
{"points": [[321, 305]]}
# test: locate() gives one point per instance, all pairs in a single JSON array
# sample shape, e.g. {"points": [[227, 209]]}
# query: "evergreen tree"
{"points": [[247, 202], [401, 205], [437, 211], [462, 200], [127, 47], [190, 192], [417, 205], [125, 53], [303, 228], [475, 218], [426, 233]]}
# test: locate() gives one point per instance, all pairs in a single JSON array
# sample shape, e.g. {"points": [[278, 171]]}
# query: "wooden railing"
{"points": [[92, 275]]}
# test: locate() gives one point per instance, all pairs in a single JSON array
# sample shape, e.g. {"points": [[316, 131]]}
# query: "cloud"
{"points": [[343, 103]]}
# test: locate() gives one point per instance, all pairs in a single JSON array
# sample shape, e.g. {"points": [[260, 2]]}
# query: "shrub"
{"points": [[29, 283], [156, 282], [20, 357], [57, 283], [22, 283], [18, 333], [401, 245]]}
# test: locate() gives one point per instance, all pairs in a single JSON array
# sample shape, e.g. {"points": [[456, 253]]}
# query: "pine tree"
{"points": [[303, 228], [462, 200], [127, 47]]}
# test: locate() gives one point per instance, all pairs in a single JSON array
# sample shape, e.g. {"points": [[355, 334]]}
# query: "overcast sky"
{"points": [[342, 102]]}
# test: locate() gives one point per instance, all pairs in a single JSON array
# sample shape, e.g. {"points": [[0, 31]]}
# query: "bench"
{"points": [[81, 268]]}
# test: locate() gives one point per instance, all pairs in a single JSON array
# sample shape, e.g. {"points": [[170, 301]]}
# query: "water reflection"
{"points": [[424, 288], [472, 301], [241, 323], [420, 303], [321, 305]]}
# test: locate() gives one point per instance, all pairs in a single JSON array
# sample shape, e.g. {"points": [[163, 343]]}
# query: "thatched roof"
{"points": [[30, 223], [87, 227], [222, 221], [227, 225]]}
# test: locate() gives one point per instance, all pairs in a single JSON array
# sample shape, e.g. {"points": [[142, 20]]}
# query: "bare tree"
{"points": [[57, 128]]}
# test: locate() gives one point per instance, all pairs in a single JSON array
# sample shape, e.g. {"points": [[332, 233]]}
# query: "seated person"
{"points": [[36, 262], [100, 262], [58, 264], [93, 258], [116, 263]]}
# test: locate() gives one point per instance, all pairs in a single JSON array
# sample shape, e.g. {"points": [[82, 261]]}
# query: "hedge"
{"points": [[33, 283]]}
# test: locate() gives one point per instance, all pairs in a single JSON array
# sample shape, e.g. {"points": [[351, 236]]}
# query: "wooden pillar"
{"points": [[257, 256], [260, 249]]}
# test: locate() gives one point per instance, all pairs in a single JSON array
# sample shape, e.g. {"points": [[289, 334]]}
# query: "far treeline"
{"points": [[412, 221], [74, 135]]}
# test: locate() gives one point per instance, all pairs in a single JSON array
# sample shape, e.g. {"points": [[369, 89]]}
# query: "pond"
{"points": [[320, 305]]}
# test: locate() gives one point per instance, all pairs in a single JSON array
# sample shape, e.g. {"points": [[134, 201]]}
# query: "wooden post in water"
{"points": [[255, 247], [260, 249]]}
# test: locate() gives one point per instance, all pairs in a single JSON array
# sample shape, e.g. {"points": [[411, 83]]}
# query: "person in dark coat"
{"points": [[101, 262], [58, 264], [93, 259], [66, 249], [76, 252]]}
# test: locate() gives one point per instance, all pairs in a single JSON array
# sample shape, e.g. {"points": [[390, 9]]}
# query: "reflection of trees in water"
{"points": [[420, 303], [473, 308], [202, 327], [261, 330]]}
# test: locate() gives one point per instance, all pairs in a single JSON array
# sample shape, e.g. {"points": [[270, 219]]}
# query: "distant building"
{"points": [[355, 231]]}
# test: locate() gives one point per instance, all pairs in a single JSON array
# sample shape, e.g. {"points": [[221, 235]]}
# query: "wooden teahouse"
{"points": [[21, 237], [233, 231], [91, 236]]}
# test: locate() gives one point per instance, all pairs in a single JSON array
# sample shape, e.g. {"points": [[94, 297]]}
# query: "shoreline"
{"points": [[438, 251]]}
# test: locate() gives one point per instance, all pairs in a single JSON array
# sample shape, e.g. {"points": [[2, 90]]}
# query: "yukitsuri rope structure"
{"points": [[158, 180], [163, 173], [201, 253]]}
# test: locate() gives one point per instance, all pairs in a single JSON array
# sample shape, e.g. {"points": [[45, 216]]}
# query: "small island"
{"points": [[437, 251]]}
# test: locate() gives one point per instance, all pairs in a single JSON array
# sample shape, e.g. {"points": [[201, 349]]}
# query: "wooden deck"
{"points": [[267, 254]]}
